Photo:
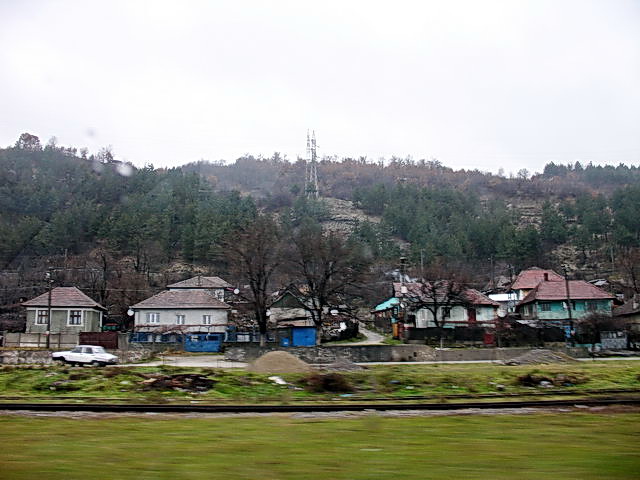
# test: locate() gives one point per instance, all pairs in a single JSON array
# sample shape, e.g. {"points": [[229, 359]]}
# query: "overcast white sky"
{"points": [[476, 84]]}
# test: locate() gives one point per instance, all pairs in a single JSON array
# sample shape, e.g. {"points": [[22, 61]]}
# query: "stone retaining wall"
{"points": [[388, 353], [43, 357], [24, 357], [330, 354]]}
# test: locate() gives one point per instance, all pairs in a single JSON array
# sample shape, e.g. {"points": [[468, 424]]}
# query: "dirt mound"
{"points": [[279, 362], [541, 356]]}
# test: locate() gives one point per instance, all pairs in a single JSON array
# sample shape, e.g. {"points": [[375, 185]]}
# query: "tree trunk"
{"points": [[263, 340]]}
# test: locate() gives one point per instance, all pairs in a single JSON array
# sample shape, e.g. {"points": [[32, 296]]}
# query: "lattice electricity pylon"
{"points": [[311, 173]]}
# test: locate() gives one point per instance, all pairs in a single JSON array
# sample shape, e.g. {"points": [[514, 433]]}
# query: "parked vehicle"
{"points": [[86, 355]]}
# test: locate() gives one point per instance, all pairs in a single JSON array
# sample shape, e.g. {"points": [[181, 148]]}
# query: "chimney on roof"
{"points": [[546, 276]]}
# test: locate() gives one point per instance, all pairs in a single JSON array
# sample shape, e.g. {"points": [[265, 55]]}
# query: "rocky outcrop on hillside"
{"points": [[343, 215]]}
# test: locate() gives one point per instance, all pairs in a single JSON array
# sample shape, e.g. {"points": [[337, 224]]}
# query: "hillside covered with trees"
{"points": [[120, 232]]}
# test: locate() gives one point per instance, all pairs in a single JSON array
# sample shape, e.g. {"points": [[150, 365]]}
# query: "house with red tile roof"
{"points": [[529, 279], [469, 308], [552, 300], [71, 312]]}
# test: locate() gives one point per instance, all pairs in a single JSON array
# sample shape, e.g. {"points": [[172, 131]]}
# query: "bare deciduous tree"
{"points": [[330, 267], [438, 297], [254, 253]]}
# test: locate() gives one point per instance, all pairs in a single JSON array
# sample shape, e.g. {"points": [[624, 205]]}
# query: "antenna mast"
{"points": [[311, 174]]}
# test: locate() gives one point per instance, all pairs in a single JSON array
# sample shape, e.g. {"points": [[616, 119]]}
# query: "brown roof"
{"points": [[414, 289], [64, 297], [578, 290], [182, 299], [201, 282], [531, 277], [631, 307]]}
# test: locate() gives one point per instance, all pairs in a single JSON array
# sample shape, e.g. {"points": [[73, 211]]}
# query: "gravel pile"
{"points": [[541, 356], [279, 362]]}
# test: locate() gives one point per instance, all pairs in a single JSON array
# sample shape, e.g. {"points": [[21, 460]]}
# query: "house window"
{"points": [[591, 305], [446, 312], [41, 318], [545, 307], [180, 319], [75, 317], [206, 319], [153, 317]]}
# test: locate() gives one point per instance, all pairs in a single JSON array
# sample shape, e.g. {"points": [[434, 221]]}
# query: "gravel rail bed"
{"points": [[199, 408]]}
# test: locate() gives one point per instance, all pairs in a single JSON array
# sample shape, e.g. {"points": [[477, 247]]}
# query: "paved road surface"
{"points": [[214, 361]]}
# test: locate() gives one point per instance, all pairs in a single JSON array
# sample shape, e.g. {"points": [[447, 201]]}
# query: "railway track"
{"points": [[335, 407]]}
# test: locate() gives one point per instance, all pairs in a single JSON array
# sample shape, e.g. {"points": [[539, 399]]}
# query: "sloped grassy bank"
{"points": [[175, 384]]}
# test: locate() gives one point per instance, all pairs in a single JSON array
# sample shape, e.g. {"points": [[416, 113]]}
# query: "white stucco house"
{"points": [[195, 305]]}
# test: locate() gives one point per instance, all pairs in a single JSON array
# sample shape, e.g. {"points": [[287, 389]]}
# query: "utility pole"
{"points": [[49, 280], [566, 283]]}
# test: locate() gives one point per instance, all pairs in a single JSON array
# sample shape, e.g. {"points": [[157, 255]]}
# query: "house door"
{"points": [[472, 316], [201, 342], [303, 336]]}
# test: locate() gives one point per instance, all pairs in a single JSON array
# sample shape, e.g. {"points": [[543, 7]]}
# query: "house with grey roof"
{"points": [[71, 312], [191, 312], [214, 285], [182, 310]]}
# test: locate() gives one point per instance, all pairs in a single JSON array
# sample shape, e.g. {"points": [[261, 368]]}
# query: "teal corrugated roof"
{"points": [[387, 304]]}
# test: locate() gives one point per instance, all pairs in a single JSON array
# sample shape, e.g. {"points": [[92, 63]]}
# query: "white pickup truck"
{"points": [[86, 355]]}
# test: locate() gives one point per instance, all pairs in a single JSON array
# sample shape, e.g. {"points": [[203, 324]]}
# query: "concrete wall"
{"points": [[57, 340], [91, 321]]}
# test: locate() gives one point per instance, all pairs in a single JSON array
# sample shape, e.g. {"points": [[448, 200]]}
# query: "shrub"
{"points": [[329, 382]]}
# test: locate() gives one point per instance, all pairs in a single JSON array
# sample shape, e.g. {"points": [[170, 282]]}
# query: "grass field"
{"points": [[239, 386], [550, 446]]}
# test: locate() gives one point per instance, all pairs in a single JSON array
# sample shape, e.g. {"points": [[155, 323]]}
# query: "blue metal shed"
{"points": [[303, 336]]}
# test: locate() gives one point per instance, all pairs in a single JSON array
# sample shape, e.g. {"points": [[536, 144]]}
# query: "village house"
{"points": [[192, 308], [71, 312], [214, 285], [409, 308], [630, 313], [559, 301], [529, 279]]}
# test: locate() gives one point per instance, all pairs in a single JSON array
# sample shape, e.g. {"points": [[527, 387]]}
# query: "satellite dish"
{"points": [[334, 312], [130, 312], [502, 313], [236, 291]]}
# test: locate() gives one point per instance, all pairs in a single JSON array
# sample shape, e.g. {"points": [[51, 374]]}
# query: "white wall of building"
{"points": [[193, 317]]}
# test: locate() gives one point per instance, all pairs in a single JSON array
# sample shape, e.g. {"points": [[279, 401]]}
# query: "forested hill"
{"points": [[56, 201]]}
